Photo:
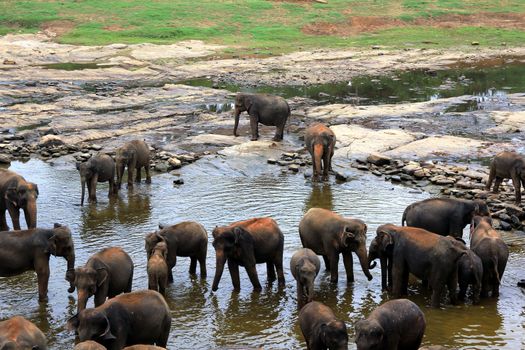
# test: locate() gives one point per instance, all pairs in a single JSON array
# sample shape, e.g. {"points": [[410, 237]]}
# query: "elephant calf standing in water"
{"points": [[321, 329], [19, 333], [305, 266], [135, 155], [158, 268], [15, 194], [320, 142], [265, 109], [507, 165], [383, 252], [99, 168]]}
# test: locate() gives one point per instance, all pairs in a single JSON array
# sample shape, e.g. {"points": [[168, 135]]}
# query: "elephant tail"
{"points": [[404, 218], [495, 267]]}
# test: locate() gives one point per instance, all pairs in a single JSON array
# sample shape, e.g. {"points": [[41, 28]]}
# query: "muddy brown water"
{"points": [[215, 196]]}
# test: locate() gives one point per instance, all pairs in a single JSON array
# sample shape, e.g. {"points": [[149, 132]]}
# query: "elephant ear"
{"points": [[385, 240], [51, 245], [345, 235], [107, 335], [102, 275], [73, 323], [11, 195], [247, 102], [237, 234]]}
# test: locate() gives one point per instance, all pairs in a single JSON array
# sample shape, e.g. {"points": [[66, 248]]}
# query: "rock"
{"points": [[519, 233], [179, 181], [341, 176], [290, 155], [362, 167], [284, 162], [187, 158], [505, 226], [376, 173], [272, 161], [514, 210], [515, 221], [95, 147], [395, 178], [308, 174], [50, 141], [442, 180], [294, 168], [421, 173], [9, 62], [161, 167], [117, 46], [474, 175], [474, 43], [4, 159], [504, 217], [174, 162], [378, 159]]}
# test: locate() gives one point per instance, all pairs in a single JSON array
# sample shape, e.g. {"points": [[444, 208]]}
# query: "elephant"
{"points": [[89, 345], [320, 142], [493, 252], [329, 234], [247, 243], [321, 329], [158, 268], [265, 109], [135, 155], [15, 194], [305, 266], [25, 250], [444, 216], [99, 168], [106, 274], [186, 239], [426, 255], [507, 165], [140, 317], [19, 333], [384, 254], [470, 272], [396, 324]]}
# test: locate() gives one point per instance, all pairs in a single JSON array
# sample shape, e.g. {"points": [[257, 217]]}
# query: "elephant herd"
{"points": [[430, 248]]}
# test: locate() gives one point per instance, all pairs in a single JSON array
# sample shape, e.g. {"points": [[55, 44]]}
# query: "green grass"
{"points": [[254, 26]]}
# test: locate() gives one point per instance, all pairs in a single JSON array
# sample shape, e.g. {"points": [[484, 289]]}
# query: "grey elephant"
{"points": [[319, 140], [19, 333], [493, 252], [89, 345], [444, 216], [470, 273], [265, 109], [305, 266], [397, 324], [106, 274], [186, 239], [321, 329], [146, 315], [134, 155], [507, 165], [383, 252], [99, 168], [158, 268], [329, 234], [26, 250], [17, 194]]}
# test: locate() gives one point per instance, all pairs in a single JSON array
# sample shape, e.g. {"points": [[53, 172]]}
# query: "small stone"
{"points": [[186, 158], [50, 141], [376, 173], [474, 43], [378, 159], [505, 226], [411, 167], [95, 147], [4, 159], [179, 181], [515, 221], [284, 162], [174, 163], [340, 176], [362, 167], [504, 217], [161, 167], [272, 161], [294, 168], [9, 62]]}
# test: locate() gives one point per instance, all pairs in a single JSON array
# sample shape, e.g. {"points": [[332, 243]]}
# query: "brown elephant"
{"points": [[426, 255], [320, 142], [15, 194], [470, 273], [321, 329], [507, 165], [305, 266], [89, 345], [19, 333], [247, 243], [135, 155], [106, 274], [25, 250], [265, 109], [141, 317], [493, 252], [329, 234], [186, 239], [158, 268], [397, 324], [383, 252], [99, 168]]}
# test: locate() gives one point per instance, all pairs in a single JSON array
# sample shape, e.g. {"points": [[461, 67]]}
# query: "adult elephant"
{"points": [[320, 142], [305, 266], [507, 165], [19, 333], [426, 255], [141, 317], [444, 216], [17, 194], [106, 274], [265, 109], [321, 329], [247, 243], [135, 155], [25, 250], [329, 234], [185, 239], [99, 168], [383, 252]]}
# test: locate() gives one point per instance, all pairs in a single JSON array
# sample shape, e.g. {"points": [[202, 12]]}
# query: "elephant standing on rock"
{"points": [[105, 275], [305, 266], [320, 142], [383, 252], [135, 155], [265, 109], [397, 324], [25, 250], [507, 165], [329, 234], [444, 216], [15, 194], [187, 239], [19, 333], [321, 329], [99, 168], [247, 243]]}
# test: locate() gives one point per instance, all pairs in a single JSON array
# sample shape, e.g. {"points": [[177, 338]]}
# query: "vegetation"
{"points": [[266, 27]]}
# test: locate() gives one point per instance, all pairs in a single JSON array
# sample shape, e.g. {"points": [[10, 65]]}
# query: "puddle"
{"points": [[218, 107], [41, 123], [70, 66]]}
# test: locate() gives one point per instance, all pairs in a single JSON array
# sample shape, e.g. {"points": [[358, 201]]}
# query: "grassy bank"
{"points": [[262, 27]]}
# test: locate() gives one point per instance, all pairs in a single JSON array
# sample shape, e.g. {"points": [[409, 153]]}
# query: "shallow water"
{"points": [[203, 319]]}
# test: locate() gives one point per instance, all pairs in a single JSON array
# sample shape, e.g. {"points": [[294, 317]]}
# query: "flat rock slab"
{"points": [[508, 121]]}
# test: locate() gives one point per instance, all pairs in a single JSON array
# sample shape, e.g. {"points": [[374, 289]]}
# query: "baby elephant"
{"points": [[507, 165], [470, 272], [135, 155], [305, 266], [19, 333], [320, 142], [397, 324], [321, 329], [158, 268]]}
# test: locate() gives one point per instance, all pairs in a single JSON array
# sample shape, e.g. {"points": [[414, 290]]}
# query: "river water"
{"points": [[203, 319]]}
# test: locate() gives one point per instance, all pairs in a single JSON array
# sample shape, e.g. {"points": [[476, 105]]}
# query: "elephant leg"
{"points": [[495, 288], [162, 285], [131, 168], [437, 288], [349, 267], [389, 273], [202, 265], [334, 263], [326, 164], [452, 285], [254, 125], [42, 274], [463, 285], [100, 298], [138, 177], [278, 262], [148, 176], [492, 175], [93, 185], [15, 216], [398, 272], [252, 273], [326, 263], [3, 222], [129, 285], [279, 132], [234, 273], [516, 182], [496, 184], [270, 271], [171, 265], [112, 187], [193, 265], [301, 298]]}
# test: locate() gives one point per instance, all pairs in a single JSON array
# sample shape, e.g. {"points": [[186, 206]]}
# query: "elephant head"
{"points": [[88, 280], [24, 195], [151, 241], [124, 156], [369, 335], [161, 248], [86, 171], [373, 253], [480, 208], [61, 244], [91, 324], [306, 272], [334, 335], [353, 237], [243, 103]]}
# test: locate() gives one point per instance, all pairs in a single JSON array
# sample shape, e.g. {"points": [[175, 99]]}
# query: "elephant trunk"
{"points": [[309, 291], [30, 213], [237, 114], [220, 261], [120, 172], [70, 274], [371, 263], [82, 296], [83, 183], [363, 260]]}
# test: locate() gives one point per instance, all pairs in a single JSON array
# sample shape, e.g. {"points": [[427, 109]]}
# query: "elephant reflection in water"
{"points": [[320, 197]]}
